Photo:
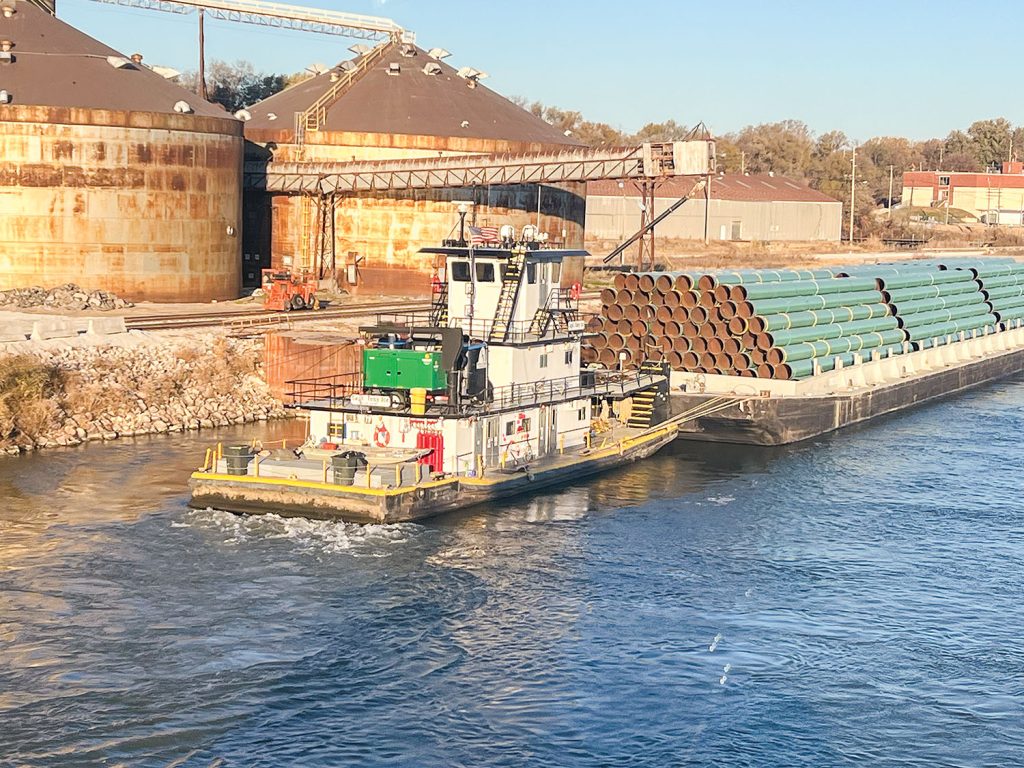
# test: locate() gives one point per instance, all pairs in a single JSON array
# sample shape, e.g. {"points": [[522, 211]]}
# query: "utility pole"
{"points": [[202, 57], [743, 163], [889, 209], [707, 206], [853, 190]]}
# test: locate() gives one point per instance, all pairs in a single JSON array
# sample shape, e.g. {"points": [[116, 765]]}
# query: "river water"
{"points": [[854, 600]]}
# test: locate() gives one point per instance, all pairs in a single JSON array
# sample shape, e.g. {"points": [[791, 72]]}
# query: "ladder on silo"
{"points": [[507, 299], [315, 115]]}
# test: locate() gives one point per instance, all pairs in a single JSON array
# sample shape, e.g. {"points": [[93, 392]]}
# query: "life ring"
{"points": [[575, 290], [381, 436]]}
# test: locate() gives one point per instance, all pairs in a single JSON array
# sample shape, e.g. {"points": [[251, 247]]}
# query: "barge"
{"points": [[780, 412], [481, 398]]}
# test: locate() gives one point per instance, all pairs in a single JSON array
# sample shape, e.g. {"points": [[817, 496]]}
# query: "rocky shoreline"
{"points": [[68, 396]]}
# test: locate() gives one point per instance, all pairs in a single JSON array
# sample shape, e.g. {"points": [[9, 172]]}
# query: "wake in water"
{"points": [[327, 536]]}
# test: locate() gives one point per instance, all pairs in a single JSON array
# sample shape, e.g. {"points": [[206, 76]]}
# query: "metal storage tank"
{"points": [[111, 176], [403, 102]]}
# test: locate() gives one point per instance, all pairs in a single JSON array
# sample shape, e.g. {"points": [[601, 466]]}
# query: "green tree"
{"points": [[784, 147], [235, 86], [990, 141]]}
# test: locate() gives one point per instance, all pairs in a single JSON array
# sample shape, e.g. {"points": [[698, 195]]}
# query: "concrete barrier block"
{"points": [[53, 328], [106, 326]]}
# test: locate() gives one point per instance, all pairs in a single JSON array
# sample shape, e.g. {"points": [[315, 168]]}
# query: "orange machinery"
{"points": [[286, 291]]}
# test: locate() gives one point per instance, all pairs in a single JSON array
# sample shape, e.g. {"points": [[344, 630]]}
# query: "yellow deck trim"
{"points": [[320, 486]]}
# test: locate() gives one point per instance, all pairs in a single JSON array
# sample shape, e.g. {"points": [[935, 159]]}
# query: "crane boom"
{"points": [[278, 15]]}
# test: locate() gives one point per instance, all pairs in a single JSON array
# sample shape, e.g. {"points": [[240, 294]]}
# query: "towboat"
{"points": [[480, 398]]}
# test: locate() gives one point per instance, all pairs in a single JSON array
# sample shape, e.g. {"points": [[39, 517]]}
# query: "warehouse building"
{"points": [[761, 207], [111, 176], [991, 198], [394, 101]]}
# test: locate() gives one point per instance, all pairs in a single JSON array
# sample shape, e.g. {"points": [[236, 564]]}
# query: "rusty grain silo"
{"points": [[404, 102], [110, 175]]}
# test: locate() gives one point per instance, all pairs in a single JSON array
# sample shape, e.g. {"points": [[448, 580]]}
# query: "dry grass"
{"points": [[29, 397]]}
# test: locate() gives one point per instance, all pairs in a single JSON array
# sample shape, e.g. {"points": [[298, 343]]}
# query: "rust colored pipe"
{"points": [[624, 297], [690, 360], [632, 282], [595, 324], [744, 309], [638, 328], [683, 283], [727, 310], [738, 326], [707, 361], [647, 312], [624, 327], [740, 361], [756, 324], [723, 362], [673, 299], [719, 328], [608, 357], [699, 315], [736, 294], [721, 293], [706, 282], [748, 373], [614, 312], [646, 282], [716, 346], [673, 329], [663, 314], [631, 312], [764, 341], [765, 371], [619, 281], [699, 345], [681, 345], [667, 343], [732, 346], [675, 360], [707, 331], [691, 329], [757, 357], [607, 296], [689, 299], [749, 340], [632, 343], [774, 356], [616, 342], [663, 284], [680, 314], [707, 299], [598, 341]]}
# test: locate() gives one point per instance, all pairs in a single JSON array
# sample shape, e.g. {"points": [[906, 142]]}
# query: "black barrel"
{"points": [[345, 466], [238, 458]]}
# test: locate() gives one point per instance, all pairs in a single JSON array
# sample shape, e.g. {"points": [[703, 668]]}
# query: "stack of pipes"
{"points": [[791, 324]]}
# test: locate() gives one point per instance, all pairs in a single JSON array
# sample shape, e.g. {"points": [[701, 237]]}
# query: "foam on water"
{"points": [[325, 536]]}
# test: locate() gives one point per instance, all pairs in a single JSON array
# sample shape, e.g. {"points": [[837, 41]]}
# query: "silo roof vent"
{"points": [[394, 68], [359, 49], [183, 107], [5, 97], [347, 65], [244, 115], [438, 53], [118, 62], [7, 8], [408, 51], [431, 68]]}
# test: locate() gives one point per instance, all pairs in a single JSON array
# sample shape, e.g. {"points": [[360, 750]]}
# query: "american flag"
{"points": [[481, 235]]}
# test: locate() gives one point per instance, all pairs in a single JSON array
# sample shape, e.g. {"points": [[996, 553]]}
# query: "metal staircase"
{"points": [[439, 307], [557, 311], [507, 299], [642, 412], [314, 117]]}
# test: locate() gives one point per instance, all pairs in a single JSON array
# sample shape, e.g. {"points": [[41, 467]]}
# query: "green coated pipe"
{"points": [[1001, 282], [806, 288], [931, 291], [785, 321], [831, 331], [805, 368], [942, 302], [1004, 293], [801, 303], [751, 276], [922, 319], [950, 327], [924, 278]]}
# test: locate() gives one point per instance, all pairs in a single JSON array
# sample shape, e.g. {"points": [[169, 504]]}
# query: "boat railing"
{"points": [[519, 331], [336, 391]]}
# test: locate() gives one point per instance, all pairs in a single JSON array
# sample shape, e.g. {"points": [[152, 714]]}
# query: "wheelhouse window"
{"points": [[460, 271], [531, 273], [485, 272]]}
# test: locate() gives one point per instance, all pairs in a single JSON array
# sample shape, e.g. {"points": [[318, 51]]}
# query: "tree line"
{"points": [[788, 147]]}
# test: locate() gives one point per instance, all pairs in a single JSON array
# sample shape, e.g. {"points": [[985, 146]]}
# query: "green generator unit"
{"points": [[404, 369]]}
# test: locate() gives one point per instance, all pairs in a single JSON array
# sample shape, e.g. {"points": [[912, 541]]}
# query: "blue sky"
{"points": [[869, 68]]}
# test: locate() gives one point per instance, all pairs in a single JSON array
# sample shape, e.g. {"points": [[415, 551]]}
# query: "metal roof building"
{"points": [[742, 207], [110, 175], [396, 101]]}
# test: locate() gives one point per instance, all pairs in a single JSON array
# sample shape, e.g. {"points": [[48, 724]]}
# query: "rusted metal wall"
{"points": [[387, 230], [291, 355], [147, 205]]}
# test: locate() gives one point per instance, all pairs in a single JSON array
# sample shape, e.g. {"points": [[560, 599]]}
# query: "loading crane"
{"points": [[278, 15]]}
